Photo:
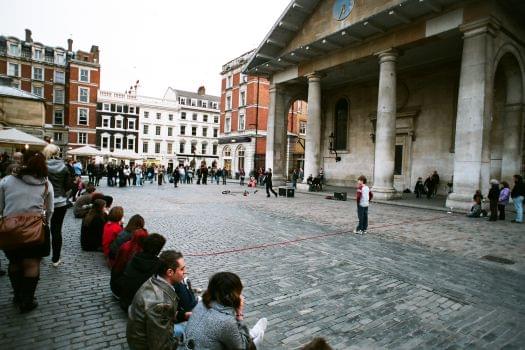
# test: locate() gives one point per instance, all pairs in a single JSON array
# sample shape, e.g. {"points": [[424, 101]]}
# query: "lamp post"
{"points": [[256, 130], [331, 147]]}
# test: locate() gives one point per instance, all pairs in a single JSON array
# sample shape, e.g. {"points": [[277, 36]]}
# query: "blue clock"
{"points": [[342, 9]]}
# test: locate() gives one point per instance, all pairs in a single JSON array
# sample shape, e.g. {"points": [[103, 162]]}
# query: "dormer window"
{"points": [[14, 49], [37, 54]]}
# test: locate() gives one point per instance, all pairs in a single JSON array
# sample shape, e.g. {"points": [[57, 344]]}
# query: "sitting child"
{"points": [[111, 230], [93, 227], [476, 210]]}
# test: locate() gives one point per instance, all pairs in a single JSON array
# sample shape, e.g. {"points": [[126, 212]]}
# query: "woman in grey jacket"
{"points": [[25, 193], [217, 321], [60, 178]]}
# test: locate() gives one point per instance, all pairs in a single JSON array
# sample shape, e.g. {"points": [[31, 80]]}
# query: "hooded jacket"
{"points": [[59, 177], [24, 195]]}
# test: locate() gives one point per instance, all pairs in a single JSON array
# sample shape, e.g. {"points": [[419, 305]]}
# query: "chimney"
{"points": [[28, 36], [94, 51], [70, 45], [201, 91]]}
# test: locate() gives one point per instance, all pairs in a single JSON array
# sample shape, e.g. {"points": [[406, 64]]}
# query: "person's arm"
{"points": [[49, 201], [235, 335], [158, 337], [2, 194]]}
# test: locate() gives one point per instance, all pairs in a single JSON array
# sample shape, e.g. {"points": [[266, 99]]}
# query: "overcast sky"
{"points": [[177, 43]]}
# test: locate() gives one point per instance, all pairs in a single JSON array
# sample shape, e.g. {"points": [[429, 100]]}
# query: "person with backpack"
{"points": [[363, 198], [503, 199]]}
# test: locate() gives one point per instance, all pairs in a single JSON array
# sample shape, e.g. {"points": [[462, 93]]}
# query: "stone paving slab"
{"points": [[415, 281]]}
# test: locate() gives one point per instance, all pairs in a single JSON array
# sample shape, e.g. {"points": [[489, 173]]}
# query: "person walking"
{"points": [[295, 177], [59, 177], [242, 175], [435, 183], [363, 198], [28, 192], [160, 176], [493, 198], [503, 200], [268, 183], [517, 195]]}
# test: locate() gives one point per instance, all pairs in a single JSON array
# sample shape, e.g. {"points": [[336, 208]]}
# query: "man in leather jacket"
{"points": [[153, 311]]}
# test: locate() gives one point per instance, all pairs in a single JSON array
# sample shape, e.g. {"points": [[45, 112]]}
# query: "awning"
{"points": [[86, 151], [125, 154], [17, 137]]}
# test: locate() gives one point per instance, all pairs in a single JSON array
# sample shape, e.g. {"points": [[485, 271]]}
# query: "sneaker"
{"points": [[257, 332], [357, 232], [58, 263], [364, 232]]}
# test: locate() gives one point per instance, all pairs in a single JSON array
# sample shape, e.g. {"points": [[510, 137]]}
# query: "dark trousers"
{"points": [[270, 188], [56, 231], [493, 211], [362, 215], [501, 209]]}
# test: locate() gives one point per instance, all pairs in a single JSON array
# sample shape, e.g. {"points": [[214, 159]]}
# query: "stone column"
{"points": [[511, 161], [276, 136], [474, 114], [385, 127], [312, 152]]}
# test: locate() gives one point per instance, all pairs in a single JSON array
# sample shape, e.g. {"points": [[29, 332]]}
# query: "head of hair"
{"points": [[90, 187], [494, 182], [34, 164], [51, 150], [109, 201], [153, 244], [96, 196], [115, 214], [97, 209], [317, 344], [18, 157], [139, 236], [224, 288], [362, 178], [134, 223], [518, 178], [505, 184], [169, 260]]}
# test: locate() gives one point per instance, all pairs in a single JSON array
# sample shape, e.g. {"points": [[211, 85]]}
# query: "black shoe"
{"points": [[2, 272], [27, 307], [275, 195], [27, 293], [268, 196]]}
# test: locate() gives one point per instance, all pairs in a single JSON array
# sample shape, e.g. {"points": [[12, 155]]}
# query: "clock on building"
{"points": [[342, 9]]}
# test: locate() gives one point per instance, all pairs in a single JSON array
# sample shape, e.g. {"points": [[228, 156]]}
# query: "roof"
{"points": [[192, 95], [17, 93], [15, 136]]}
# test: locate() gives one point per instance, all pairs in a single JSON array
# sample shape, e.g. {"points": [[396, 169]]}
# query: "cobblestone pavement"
{"points": [[416, 280]]}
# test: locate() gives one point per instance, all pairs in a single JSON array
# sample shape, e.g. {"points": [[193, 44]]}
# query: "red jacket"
{"points": [[111, 231]]}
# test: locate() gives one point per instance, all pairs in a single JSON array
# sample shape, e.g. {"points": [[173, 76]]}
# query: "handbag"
{"points": [[23, 229]]}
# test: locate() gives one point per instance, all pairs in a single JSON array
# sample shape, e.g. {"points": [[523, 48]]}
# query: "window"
{"points": [[118, 142], [84, 75], [302, 127], [183, 129], [181, 147], [105, 121], [120, 108], [38, 90], [214, 105], [106, 107], [242, 98], [398, 160], [228, 102], [244, 78], [159, 115], [204, 132], [82, 138], [341, 124], [118, 123], [146, 114], [214, 149], [131, 144], [194, 130], [241, 121], [157, 147], [131, 124], [227, 152], [57, 137], [170, 117], [146, 129], [170, 131], [183, 115], [193, 102], [194, 116], [145, 147], [131, 110], [14, 49], [182, 100], [82, 116], [170, 148], [216, 119], [215, 132], [38, 73], [37, 54], [229, 82], [240, 157], [60, 58], [205, 118], [13, 69], [157, 130], [227, 124], [204, 104], [60, 77], [58, 117], [58, 96], [104, 142], [83, 95], [203, 148]]}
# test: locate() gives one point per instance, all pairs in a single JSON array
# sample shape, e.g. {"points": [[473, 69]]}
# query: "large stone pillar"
{"points": [[385, 128], [312, 152], [511, 161], [276, 137], [474, 115]]}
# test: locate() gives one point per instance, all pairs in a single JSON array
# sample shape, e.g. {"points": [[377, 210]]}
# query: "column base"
{"points": [[459, 201], [385, 193]]}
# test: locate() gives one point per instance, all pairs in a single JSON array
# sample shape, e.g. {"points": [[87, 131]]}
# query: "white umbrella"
{"points": [[17, 137], [86, 151], [125, 154]]}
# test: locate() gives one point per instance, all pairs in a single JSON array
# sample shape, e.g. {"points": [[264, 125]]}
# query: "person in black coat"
{"points": [[93, 227], [143, 265], [493, 198], [268, 182]]}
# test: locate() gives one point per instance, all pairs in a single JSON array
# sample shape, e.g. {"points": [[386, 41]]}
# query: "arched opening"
{"points": [[341, 124], [227, 160], [297, 126], [506, 140], [240, 158]]}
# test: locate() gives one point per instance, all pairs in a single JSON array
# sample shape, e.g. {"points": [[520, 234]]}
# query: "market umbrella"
{"points": [[86, 151], [17, 137]]}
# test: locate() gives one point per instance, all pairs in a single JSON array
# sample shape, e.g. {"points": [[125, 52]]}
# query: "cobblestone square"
{"points": [[416, 280]]}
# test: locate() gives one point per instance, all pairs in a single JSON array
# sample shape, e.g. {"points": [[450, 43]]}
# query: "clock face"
{"points": [[342, 9]]}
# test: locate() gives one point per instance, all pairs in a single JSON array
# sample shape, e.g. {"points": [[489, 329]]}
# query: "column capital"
{"points": [[489, 25], [388, 55], [315, 76]]}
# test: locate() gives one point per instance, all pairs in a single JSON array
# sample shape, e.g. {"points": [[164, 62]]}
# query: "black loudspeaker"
{"points": [[340, 196]]}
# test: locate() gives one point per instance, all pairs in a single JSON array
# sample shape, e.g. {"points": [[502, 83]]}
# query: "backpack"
{"points": [[70, 184]]}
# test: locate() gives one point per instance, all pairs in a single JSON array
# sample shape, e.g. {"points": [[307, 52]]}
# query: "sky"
{"points": [[162, 43]]}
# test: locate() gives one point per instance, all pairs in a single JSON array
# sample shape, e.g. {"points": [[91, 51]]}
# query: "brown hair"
{"points": [[34, 164], [153, 244], [362, 178], [96, 210], [116, 214], [169, 260], [134, 223], [317, 344], [224, 288]]}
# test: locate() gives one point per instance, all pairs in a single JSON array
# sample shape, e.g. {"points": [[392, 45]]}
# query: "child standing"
{"points": [[363, 197], [503, 199]]}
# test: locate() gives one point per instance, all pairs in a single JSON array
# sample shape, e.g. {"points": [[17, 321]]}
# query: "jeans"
{"points": [[56, 231], [362, 215], [179, 329], [518, 204]]}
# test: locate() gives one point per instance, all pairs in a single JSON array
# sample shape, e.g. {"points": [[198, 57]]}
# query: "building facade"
{"points": [[398, 89]]}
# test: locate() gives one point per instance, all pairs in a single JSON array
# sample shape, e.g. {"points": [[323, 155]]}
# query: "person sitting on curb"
{"points": [[135, 222], [79, 208], [476, 210], [111, 230], [152, 313], [93, 227]]}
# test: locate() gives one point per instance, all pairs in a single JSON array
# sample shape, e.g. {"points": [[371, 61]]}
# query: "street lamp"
{"points": [[332, 149]]}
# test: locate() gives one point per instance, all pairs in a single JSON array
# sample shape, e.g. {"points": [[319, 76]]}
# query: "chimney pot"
{"points": [[28, 36], [201, 91], [70, 44]]}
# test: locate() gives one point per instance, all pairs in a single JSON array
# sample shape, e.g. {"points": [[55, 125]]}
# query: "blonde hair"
{"points": [[51, 150]]}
